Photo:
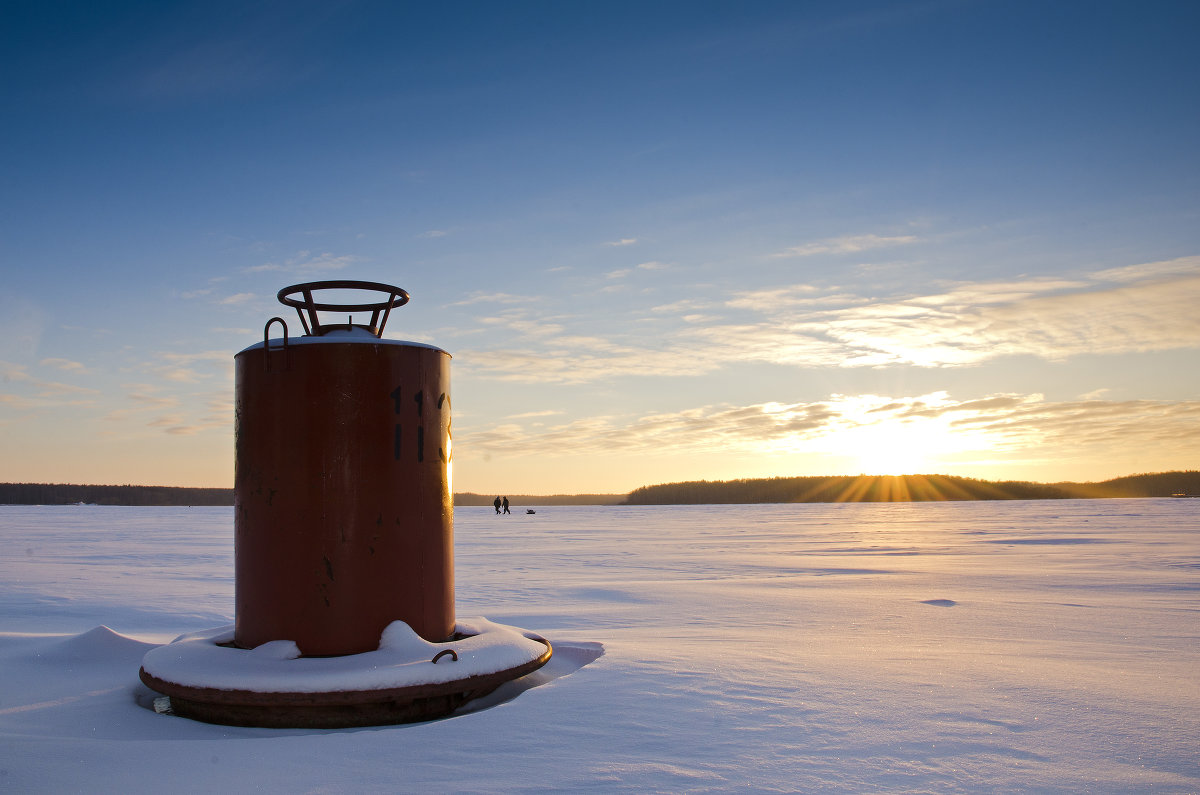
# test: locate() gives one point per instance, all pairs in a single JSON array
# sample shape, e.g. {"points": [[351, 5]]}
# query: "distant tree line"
{"points": [[905, 488], [67, 494], [863, 488]]}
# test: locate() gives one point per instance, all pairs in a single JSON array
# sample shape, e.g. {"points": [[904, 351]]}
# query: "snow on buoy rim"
{"points": [[403, 659]]}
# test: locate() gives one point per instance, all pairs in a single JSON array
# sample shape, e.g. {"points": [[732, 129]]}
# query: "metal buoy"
{"points": [[343, 536], [344, 513]]}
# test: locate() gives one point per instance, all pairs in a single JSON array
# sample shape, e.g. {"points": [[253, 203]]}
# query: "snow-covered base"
{"points": [[403, 659]]}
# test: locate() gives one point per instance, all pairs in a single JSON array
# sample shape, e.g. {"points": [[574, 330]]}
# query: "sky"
{"points": [[661, 240]]}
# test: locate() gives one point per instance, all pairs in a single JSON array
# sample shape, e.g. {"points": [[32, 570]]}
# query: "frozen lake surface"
{"points": [[1046, 646]]}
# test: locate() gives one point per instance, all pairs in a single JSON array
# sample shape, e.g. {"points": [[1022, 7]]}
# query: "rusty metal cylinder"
{"points": [[342, 492]]}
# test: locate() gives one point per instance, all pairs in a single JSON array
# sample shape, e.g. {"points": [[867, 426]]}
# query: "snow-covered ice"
{"points": [[953, 647]]}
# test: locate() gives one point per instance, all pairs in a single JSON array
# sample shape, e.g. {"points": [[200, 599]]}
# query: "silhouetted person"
{"points": [[496, 502], [506, 505]]}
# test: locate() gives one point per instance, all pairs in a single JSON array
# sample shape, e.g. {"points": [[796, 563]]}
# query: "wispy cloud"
{"points": [[146, 395], [47, 401], [1051, 318], [620, 273], [776, 298], [34, 386], [221, 357], [217, 415], [307, 262], [482, 297], [182, 367], [174, 414], [524, 324], [625, 241], [1003, 424], [63, 364], [1118, 427], [579, 359], [775, 301], [1045, 318], [19, 402], [699, 429], [683, 305], [434, 233], [803, 325], [849, 244], [1151, 270], [322, 262], [182, 375]]}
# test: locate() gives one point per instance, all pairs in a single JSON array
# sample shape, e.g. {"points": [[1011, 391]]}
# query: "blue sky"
{"points": [[662, 241]]}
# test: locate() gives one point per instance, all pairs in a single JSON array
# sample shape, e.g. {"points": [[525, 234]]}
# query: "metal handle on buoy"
{"points": [[453, 655], [267, 343]]}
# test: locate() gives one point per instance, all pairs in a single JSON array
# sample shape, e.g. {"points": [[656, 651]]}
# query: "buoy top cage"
{"points": [[307, 306]]}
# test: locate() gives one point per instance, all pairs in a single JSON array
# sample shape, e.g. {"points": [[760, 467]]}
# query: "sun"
{"points": [[877, 435], [895, 446], [889, 448]]}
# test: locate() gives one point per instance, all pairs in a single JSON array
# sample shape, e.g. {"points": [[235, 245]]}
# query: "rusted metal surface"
{"points": [[337, 709], [343, 508]]}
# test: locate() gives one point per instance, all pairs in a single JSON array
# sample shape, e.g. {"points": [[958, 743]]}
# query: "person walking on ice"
{"points": [[496, 502], [506, 505]]}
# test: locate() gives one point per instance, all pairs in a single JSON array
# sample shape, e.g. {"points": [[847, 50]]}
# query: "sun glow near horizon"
{"points": [[905, 447], [880, 436]]}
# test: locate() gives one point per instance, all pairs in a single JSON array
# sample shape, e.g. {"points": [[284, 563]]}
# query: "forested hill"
{"points": [[905, 488], [67, 494]]}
